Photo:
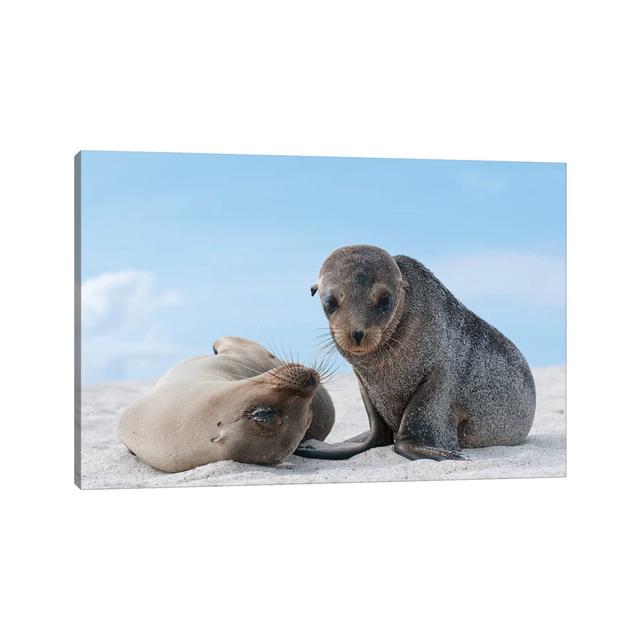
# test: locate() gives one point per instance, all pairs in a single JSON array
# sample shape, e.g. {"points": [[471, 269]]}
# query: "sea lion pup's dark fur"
{"points": [[433, 376]]}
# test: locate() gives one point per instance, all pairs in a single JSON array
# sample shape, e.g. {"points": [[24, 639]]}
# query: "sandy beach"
{"points": [[106, 463]]}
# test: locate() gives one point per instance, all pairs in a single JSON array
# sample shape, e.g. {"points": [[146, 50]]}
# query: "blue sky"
{"points": [[179, 249]]}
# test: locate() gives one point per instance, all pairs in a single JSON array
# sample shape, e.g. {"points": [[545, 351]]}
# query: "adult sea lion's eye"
{"points": [[384, 304], [330, 305], [262, 414]]}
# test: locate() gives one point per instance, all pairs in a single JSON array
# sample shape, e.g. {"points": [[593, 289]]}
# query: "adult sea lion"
{"points": [[241, 404], [434, 377]]}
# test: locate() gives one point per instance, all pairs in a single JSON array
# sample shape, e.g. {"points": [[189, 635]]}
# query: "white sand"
{"points": [[106, 463]]}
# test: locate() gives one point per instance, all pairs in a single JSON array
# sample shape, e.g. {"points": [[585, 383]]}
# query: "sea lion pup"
{"points": [[433, 376], [240, 404]]}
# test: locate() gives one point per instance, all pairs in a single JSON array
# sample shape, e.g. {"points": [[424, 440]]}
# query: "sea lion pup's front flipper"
{"points": [[428, 429], [340, 451], [379, 435]]}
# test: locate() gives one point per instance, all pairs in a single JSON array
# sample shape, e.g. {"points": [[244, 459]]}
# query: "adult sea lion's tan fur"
{"points": [[241, 404], [255, 358]]}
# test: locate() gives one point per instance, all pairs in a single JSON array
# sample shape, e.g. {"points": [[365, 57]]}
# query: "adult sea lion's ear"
{"points": [[314, 288], [404, 284]]}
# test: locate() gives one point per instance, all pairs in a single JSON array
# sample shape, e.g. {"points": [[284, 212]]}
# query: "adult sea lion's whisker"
{"points": [[273, 374], [280, 355], [244, 366]]}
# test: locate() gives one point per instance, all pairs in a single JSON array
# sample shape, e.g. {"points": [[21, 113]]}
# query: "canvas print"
{"points": [[250, 320]]}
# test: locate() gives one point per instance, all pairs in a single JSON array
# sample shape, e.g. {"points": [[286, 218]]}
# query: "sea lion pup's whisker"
{"points": [[326, 349], [329, 353], [325, 340]]}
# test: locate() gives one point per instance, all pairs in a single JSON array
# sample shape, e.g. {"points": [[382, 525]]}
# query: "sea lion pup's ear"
{"points": [[404, 285], [314, 288]]}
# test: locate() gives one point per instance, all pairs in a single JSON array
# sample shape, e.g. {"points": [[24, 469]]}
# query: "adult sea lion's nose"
{"points": [[357, 336]]}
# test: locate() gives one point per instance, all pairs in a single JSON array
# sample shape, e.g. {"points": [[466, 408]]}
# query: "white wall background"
{"points": [[474, 80]]}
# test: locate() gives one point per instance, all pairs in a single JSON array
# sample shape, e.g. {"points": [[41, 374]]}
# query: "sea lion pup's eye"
{"points": [[262, 413], [330, 305], [385, 302]]}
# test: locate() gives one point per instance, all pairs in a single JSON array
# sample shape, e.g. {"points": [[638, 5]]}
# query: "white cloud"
{"points": [[117, 298], [515, 276], [123, 333]]}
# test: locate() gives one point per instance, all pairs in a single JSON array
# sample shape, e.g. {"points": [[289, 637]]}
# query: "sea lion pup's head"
{"points": [[362, 294], [268, 414]]}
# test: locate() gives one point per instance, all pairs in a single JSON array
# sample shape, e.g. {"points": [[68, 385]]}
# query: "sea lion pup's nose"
{"points": [[357, 336]]}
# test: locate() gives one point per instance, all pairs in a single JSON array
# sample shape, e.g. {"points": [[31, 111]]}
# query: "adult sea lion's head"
{"points": [[265, 417], [362, 293]]}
